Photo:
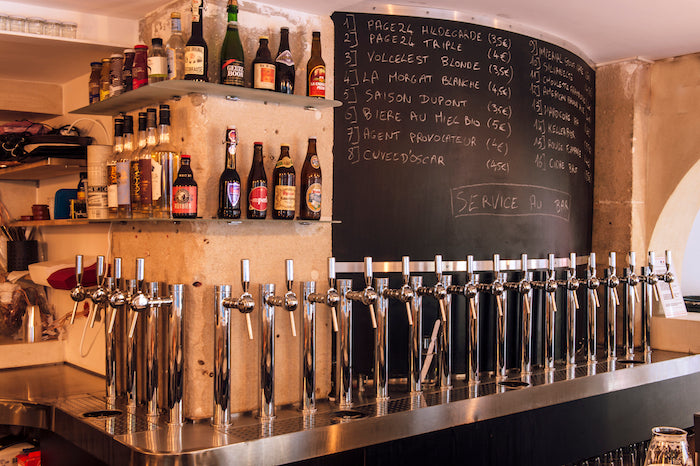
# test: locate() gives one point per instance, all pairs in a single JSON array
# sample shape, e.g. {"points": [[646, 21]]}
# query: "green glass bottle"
{"points": [[232, 59]]}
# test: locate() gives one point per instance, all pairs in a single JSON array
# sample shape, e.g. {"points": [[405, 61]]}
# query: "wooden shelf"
{"points": [[51, 223], [42, 170], [175, 221], [167, 90]]}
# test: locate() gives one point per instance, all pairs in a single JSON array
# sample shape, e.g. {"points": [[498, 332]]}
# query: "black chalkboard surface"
{"points": [[456, 139]]}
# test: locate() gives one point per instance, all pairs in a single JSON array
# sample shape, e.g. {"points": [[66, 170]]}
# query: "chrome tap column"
{"points": [[592, 304], [497, 290], [151, 335], [288, 302], [571, 284], [381, 341], [345, 396], [176, 360], [524, 289], [415, 340], [650, 288], [99, 295], [611, 302], [110, 347], [117, 299], [549, 286], [629, 285], [222, 343], [78, 293], [131, 351]]}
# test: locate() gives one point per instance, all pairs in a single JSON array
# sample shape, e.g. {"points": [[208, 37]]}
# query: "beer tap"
{"points": [[78, 293], [110, 349], [368, 296], [99, 296], [630, 280], [344, 388], [331, 298], [405, 293], [571, 284], [668, 277], [650, 291], [549, 286], [611, 302], [592, 304], [524, 289], [470, 291], [117, 297], [222, 343], [439, 293], [381, 342], [496, 288], [267, 356]]}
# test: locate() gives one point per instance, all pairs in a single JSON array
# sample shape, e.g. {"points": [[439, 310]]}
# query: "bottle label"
{"points": [[104, 94], [314, 162], [233, 192], [122, 183], [112, 186], [175, 25], [285, 58], [284, 162], [264, 76], [145, 181], [317, 81], [170, 57], [194, 60], [233, 71], [94, 93], [284, 197], [135, 181], [257, 200], [313, 197], [157, 67], [185, 200], [156, 180]]}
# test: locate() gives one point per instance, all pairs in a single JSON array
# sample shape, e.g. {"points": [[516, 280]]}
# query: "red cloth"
{"points": [[64, 279]]}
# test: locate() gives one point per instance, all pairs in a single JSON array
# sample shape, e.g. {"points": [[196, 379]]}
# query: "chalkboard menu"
{"points": [[455, 139]]}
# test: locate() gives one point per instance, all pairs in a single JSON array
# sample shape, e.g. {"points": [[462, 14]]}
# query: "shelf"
{"points": [[175, 221], [43, 169], [166, 90], [47, 59]]}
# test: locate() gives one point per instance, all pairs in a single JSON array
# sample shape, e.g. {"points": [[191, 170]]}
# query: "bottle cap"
{"points": [[128, 124], [175, 14], [157, 41], [116, 55], [129, 51], [184, 156], [141, 46], [285, 145], [83, 174], [96, 63], [257, 143], [264, 38], [105, 60]]}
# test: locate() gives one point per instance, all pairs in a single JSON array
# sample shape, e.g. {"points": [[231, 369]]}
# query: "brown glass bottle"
{"points": [[310, 184], [285, 185], [230, 181], [257, 185], [316, 69], [263, 67], [185, 191]]}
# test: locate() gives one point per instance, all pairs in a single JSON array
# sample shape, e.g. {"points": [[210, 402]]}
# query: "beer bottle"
{"points": [[185, 191], [123, 168], [230, 182], [112, 203], [232, 59], [310, 198], [257, 185], [136, 182], [146, 168], [196, 51], [285, 185], [316, 69], [263, 67], [284, 65], [164, 166]]}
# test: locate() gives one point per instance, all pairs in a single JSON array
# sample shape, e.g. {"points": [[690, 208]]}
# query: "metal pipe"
{"points": [[611, 302], [445, 340], [415, 339], [629, 281], [650, 294], [473, 324], [131, 358], [152, 352], [344, 347], [267, 353], [525, 291], [592, 304], [501, 318], [176, 360], [110, 350], [381, 341], [78, 293], [549, 286], [572, 285], [222, 360], [308, 337]]}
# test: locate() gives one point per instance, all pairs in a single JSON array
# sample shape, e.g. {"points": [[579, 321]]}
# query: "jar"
{"points": [[139, 71], [52, 28], [35, 25], [18, 24], [669, 445], [69, 30]]}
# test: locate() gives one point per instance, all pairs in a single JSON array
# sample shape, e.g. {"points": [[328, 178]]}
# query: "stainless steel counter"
{"points": [[57, 397]]}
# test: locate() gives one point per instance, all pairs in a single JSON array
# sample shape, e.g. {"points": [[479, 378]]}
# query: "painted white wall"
{"points": [[690, 279]]}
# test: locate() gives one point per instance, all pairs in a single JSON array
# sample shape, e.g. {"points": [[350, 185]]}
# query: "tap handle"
{"points": [[132, 326], [616, 297], [652, 259], [523, 264], [406, 269], [100, 270], [368, 272], [634, 293], [572, 263], [499, 304], [550, 265], [591, 265], [118, 273], [496, 264], [290, 274], [409, 313], [79, 269], [632, 259], [470, 264], [245, 274], [612, 263], [472, 307], [443, 311], [596, 300], [331, 273], [438, 267], [668, 260], [140, 272]]}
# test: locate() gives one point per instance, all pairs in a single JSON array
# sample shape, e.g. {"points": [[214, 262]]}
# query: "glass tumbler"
{"points": [[18, 24], [669, 445]]}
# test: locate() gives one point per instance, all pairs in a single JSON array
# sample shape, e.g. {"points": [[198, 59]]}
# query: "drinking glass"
{"points": [[669, 445]]}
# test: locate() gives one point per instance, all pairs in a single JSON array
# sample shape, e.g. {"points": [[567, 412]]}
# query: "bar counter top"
{"points": [[57, 397]]}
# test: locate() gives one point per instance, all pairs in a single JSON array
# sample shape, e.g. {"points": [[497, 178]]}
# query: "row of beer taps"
{"points": [[132, 296]]}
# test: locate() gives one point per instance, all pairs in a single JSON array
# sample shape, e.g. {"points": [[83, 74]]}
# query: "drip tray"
{"points": [[514, 384], [346, 415], [629, 361], [103, 413]]}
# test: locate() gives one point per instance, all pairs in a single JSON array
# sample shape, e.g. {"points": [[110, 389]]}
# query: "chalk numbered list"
{"points": [[469, 104]]}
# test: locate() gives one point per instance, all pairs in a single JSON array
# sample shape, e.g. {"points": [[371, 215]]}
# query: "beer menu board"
{"points": [[456, 138]]}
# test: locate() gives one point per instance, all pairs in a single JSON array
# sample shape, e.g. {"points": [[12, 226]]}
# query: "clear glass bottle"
{"points": [[136, 182], [232, 58], [175, 48], [112, 202], [124, 169], [185, 191], [164, 164], [157, 62], [146, 167]]}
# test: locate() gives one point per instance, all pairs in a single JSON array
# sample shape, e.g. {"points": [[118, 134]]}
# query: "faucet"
{"points": [[630, 280], [331, 298], [439, 293], [592, 304], [549, 286], [611, 302], [288, 302], [78, 293], [524, 289], [571, 285], [368, 296], [668, 276], [222, 343], [99, 296], [405, 293], [650, 290]]}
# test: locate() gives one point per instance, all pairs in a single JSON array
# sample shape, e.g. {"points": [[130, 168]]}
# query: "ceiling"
{"points": [[603, 30]]}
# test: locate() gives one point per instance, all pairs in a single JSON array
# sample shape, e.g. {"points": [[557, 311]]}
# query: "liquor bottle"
{"points": [[80, 204], [230, 182], [146, 167], [116, 80], [139, 71], [128, 69], [136, 182], [112, 202], [285, 186], [104, 79], [164, 166], [175, 48], [284, 65], [257, 185], [157, 62], [263, 67], [310, 197], [232, 58], [316, 69], [124, 168], [94, 84], [185, 191], [196, 51]]}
